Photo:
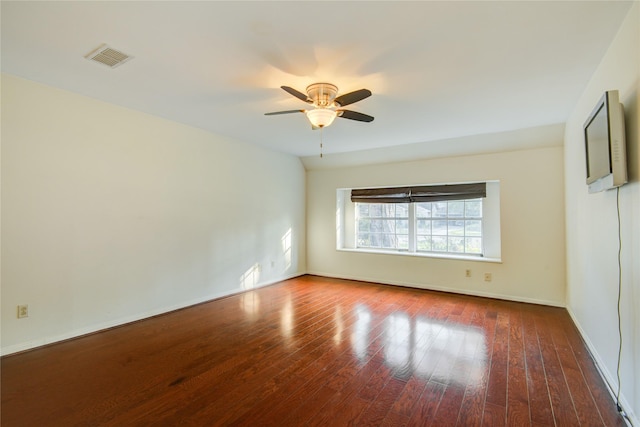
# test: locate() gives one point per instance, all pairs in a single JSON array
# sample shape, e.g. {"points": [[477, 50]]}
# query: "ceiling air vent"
{"points": [[108, 56]]}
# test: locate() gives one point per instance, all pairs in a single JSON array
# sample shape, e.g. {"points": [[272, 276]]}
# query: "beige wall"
{"points": [[592, 225], [532, 217], [110, 215]]}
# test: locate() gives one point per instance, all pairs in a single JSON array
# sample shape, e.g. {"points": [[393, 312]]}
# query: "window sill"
{"points": [[425, 255]]}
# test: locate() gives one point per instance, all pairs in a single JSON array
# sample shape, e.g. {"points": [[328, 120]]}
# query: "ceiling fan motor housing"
{"points": [[322, 94]]}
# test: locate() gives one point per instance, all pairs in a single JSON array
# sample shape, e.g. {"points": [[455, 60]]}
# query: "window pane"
{"points": [[456, 244], [423, 243], [473, 245], [473, 208], [473, 228], [449, 226], [389, 241], [423, 210], [440, 228], [389, 226], [388, 210], [439, 209], [424, 226], [456, 209], [402, 210], [439, 244], [364, 240], [456, 228], [375, 210]]}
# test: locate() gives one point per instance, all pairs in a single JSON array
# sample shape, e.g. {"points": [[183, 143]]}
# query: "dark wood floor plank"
{"points": [[518, 398], [449, 408], [318, 351], [563, 410], [539, 403], [497, 387], [377, 411], [407, 400], [472, 407], [428, 404], [583, 401], [592, 377], [494, 415], [394, 419]]}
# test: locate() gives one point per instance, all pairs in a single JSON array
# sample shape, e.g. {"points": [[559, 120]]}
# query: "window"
{"points": [[382, 225], [449, 221], [446, 226]]}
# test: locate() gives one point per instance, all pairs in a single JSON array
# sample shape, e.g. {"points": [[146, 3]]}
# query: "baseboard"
{"points": [[606, 375], [78, 333], [431, 287]]}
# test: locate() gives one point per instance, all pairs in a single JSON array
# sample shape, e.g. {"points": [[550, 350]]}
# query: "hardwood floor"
{"points": [[319, 352]]}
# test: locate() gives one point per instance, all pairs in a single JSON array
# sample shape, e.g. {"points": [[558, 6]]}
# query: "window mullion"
{"points": [[412, 227]]}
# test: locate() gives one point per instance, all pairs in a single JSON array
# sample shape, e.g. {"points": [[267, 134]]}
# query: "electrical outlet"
{"points": [[467, 273], [23, 311], [487, 277]]}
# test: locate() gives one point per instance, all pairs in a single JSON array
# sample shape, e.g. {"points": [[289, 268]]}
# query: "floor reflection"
{"points": [[286, 320], [360, 334], [250, 304], [339, 324], [397, 334], [441, 351]]}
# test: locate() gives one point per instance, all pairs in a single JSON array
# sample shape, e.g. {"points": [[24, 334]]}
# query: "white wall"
{"points": [[532, 216], [110, 215], [592, 230]]}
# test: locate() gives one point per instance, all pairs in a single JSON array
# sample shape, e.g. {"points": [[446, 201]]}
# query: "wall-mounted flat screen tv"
{"points": [[604, 139]]}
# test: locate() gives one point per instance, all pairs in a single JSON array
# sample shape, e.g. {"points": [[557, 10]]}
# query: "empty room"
{"points": [[287, 213]]}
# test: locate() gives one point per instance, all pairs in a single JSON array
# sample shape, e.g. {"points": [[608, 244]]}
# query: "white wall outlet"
{"points": [[23, 311], [467, 273], [487, 277]]}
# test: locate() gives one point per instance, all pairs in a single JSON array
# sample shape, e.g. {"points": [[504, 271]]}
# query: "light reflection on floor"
{"points": [[442, 351], [286, 320], [250, 304], [431, 349], [360, 333]]}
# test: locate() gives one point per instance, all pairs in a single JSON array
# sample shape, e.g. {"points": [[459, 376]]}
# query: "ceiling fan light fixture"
{"points": [[322, 94], [321, 117]]}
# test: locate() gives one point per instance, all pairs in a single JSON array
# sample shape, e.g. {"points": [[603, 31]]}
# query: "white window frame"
{"points": [[346, 228]]}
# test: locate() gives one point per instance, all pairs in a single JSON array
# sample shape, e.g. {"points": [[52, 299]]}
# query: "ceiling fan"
{"points": [[326, 106]]}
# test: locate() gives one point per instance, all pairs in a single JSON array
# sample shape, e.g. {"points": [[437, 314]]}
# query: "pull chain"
{"points": [[321, 141]]}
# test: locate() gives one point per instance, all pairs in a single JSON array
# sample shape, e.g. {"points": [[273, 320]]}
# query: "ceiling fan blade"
{"points": [[351, 97], [301, 96], [275, 113], [354, 115]]}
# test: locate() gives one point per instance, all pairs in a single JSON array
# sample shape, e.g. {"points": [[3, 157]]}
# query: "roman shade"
{"points": [[422, 193]]}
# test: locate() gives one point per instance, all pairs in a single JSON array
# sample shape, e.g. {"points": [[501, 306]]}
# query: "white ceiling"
{"points": [[437, 70]]}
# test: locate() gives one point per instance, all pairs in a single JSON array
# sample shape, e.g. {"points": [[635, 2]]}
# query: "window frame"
{"points": [[412, 232], [346, 232], [390, 219]]}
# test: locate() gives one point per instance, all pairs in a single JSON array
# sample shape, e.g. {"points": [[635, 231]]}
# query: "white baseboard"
{"points": [[30, 345], [430, 287], [609, 379]]}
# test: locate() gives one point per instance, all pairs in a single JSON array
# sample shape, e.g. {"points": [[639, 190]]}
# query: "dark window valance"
{"points": [[381, 195], [422, 193]]}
